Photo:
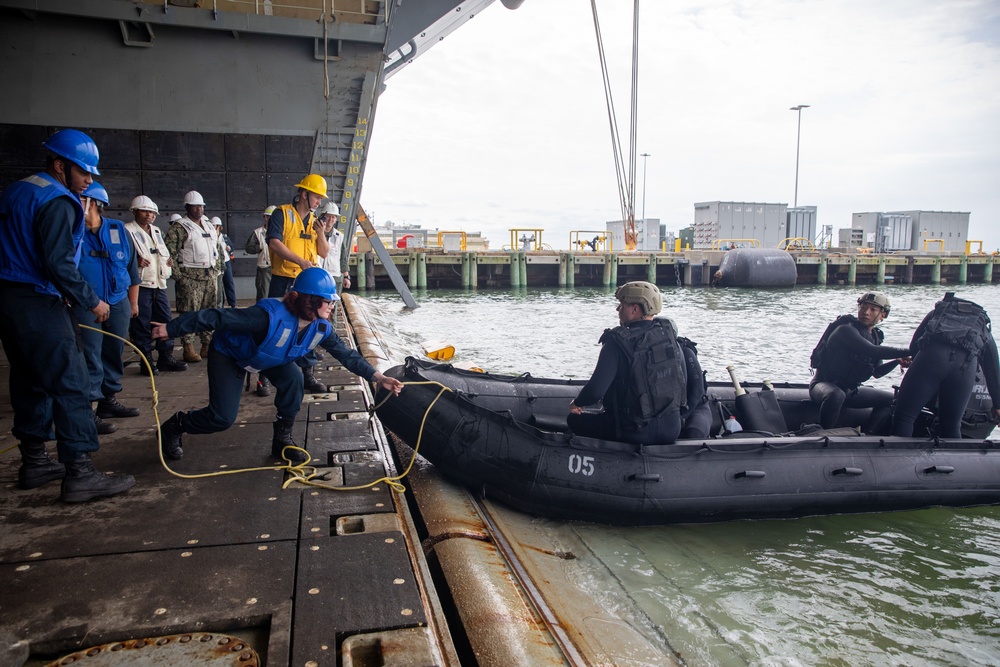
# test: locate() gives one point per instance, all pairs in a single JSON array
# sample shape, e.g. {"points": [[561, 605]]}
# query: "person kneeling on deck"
{"points": [[268, 337], [847, 355], [640, 376]]}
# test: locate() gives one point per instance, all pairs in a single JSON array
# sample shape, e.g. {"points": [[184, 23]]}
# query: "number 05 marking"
{"points": [[581, 465]]}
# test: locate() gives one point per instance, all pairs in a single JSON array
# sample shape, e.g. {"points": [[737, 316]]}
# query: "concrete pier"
{"points": [[435, 268]]}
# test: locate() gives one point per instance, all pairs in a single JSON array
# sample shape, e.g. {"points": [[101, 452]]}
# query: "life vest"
{"points": [[104, 260], [20, 260], [153, 249], [656, 380], [201, 249], [297, 237], [956, 322], [847, 369], [281, 344]]}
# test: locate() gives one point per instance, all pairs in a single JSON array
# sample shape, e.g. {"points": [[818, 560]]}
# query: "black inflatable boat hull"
{"points": [[498, 434]]}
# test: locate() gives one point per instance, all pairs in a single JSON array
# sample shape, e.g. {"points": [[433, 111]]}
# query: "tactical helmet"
{"points": [[645, 294], [194, 198], [313, 183], [316, 281], [144, 203], [76, 147], [269, 210], [877, 298], [96, 191]]}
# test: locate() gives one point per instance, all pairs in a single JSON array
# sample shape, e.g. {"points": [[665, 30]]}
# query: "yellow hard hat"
{"points": [[314, 183]]}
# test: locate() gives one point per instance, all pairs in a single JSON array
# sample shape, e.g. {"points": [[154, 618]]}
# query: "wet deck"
{"points": [[303, 576]]}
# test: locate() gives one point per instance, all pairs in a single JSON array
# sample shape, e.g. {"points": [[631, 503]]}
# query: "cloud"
{"points": [[503, 124]]}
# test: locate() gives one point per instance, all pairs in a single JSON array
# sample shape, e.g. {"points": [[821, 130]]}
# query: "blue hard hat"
{"points": [[316, 281], [76, 147], [96, 191]]}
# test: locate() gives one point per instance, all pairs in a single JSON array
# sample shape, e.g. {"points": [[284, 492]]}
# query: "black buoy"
{"points": [[756, 267]]}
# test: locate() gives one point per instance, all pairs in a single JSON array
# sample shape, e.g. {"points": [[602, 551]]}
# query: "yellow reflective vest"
{"points": [[299, 238]]}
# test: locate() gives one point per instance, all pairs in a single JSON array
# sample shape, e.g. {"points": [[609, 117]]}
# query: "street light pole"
{"points": [[798, 137], [644, 156]]}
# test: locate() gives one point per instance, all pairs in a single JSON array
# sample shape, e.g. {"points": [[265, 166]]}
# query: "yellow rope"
{"points": [[298, 472]]}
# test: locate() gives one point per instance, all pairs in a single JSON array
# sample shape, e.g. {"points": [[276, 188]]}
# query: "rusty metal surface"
{"points": [[202, 648], [407, 647]]}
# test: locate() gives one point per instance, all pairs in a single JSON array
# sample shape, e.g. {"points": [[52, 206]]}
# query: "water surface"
{"points": [[904, 588]]}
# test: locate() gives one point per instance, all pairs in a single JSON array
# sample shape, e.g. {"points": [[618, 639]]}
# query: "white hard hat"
{"points": [[193, 198], [217, 222], [270, 209], [174, 217], [330, 208], [144, 203]]}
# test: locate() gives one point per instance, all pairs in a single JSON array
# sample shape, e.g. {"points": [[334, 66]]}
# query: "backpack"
{"points": [[957, 322]]}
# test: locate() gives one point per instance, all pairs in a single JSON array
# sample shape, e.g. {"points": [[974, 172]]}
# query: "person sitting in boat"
{"points": [[951, 342], [640, 376], [268, 337], [848, 354]]}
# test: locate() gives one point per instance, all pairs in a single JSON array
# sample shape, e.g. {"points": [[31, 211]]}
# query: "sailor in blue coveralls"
{"points": [[108, 262], [41, 226], [268, 337]]}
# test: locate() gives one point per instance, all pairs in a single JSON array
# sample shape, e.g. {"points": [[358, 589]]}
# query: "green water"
{"points": [[907, 588]]}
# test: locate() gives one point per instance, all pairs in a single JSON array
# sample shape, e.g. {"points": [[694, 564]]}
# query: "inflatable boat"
{"points": [[506, 436]]}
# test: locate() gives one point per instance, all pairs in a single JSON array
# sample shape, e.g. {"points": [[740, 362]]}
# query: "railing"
{"points": [[796, 243], [735, 243], [351, 11]]}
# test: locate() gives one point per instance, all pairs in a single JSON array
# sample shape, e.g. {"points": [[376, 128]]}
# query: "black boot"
{"points": [[170, 436], [37, 467], [168, 363], [142, 365], [263, 386], [283, 438], [83, 482], [109, 408], [311, 384], [103, 427]]}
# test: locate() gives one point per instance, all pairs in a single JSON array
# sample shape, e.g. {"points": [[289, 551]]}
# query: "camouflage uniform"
{"points": [[195, 288]]}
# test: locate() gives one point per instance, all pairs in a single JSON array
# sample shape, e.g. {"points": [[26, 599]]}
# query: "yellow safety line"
{"points": [[298, 472], [393, 481]]}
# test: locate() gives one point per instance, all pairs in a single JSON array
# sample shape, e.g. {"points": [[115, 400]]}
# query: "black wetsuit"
{"points": [[604, 385], [850, 358], [949, 372]]}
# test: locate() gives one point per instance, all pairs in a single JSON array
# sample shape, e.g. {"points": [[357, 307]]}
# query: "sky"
{"points": [[504, 124]]}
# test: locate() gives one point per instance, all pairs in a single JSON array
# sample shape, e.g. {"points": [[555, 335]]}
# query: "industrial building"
{"points": [[647, 233], [891, 231], [728, 220]]}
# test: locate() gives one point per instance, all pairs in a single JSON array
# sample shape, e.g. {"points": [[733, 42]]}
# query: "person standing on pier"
{"points": [[41, 226], [268, 337], [193, 242], [226, 285], [257, 245], [296, 240], [951, 342], [155, 267], [640, 376], [848, 354], [108, 263]]}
